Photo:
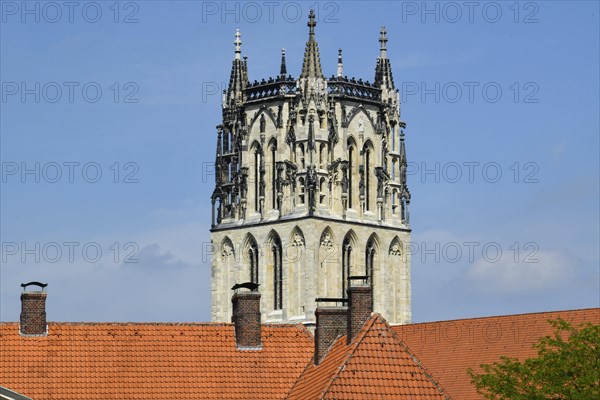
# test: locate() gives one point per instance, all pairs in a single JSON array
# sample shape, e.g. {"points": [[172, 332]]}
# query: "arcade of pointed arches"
{"points": [[276, 255], [361, 159]]}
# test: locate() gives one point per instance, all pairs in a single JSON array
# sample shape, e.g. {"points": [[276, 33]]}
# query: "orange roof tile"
{"points": [[376, 365], [448, 348], [200, 361], [151, 361]]}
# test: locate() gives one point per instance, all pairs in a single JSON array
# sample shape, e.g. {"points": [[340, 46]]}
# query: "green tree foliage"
{"points": [[567, 367]]}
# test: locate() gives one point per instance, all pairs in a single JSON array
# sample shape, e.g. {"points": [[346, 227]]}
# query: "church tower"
{"points": [[310, 189]]}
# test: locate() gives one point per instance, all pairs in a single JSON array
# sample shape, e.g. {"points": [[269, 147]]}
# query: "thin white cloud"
{"points": [[534, 272]]}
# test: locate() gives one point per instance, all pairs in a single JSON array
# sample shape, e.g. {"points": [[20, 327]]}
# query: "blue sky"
{"points": [[113, 109]]}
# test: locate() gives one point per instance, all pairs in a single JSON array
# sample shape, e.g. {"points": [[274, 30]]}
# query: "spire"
{"points": [[383, 43], [340, 67], [383, 69], [218, 155], [238, 77], [311, 67], [404, 195], [311, 23], [238, 44], [403, 162], [283, 69]]}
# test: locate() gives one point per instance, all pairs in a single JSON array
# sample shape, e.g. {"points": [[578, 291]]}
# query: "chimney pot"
{"points": [[33, 311], [246, 318]]}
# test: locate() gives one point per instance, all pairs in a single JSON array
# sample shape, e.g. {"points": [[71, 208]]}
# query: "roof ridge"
{"points": [[415, 359], [365, 329], [351, 349], [337, 370], [299, 378], [302, 328], [502, 316], [312, 361], [14, 395], [204, 323]]}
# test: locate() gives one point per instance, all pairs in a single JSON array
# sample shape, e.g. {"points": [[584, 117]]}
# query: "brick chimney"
{"points": [[331, 323], [246, 316], [360, 306], [33, 310]]}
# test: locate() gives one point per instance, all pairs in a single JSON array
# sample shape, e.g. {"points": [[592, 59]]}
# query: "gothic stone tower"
{"points": [[311, 189]]}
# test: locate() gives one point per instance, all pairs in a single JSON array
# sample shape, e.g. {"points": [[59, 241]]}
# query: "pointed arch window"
{"points": [[323, 156], [277, 274], [371, 252], [273, 176], [346, 260], [302, 190], [368, 178], [370, 258], [350, 175], [256, 179], [253, 259], [322, 190], [225, 147], [301, 153]]}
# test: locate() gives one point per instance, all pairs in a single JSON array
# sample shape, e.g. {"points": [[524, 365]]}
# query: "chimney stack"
{"points": [[360, 305], [33, 310], [331, 323], [246, 316]]}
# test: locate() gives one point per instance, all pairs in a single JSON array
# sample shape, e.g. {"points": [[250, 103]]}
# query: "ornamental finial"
{"points": [[238, 44], [311, 22], [283, 68], [383, 42]]}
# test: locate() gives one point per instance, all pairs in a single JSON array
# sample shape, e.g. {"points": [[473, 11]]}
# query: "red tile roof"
{"points": [[376, 365], [200, 361], [448, 348], [151, 361]]}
